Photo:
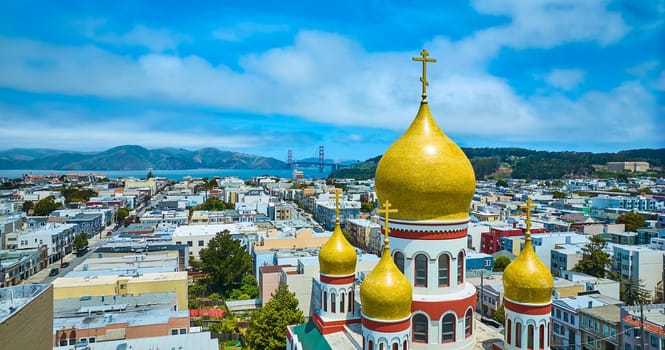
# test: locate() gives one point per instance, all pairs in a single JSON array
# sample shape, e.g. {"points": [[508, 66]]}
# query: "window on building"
{"points": [[370, 346], [351, 301], [201, 244], [509, 330], [654, 341], [468, 319], [444, 270], [341, 302], [627, 347], [325, 301], [174, 332], [333, 303], [529, 334], [518, 335], [395, 346], [183, 330], [460, 267], [448, 328], [558, 314], [419, 328], [189, 243], [541, 337], [421, 271], [399, 261], [565, 316]]}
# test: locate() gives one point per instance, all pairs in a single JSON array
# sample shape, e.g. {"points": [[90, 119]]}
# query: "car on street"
{"points": [[54, 271], [64, 264]]}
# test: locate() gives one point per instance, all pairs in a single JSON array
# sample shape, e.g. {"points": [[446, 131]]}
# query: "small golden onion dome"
{"points": [[425, 174], [337, 256], [386, 293], [527, 279]]}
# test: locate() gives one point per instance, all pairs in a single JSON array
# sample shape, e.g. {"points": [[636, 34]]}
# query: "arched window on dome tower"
{"points": [[460, 267], [404, 346], [399, 260], [444, 270], [530, 336], [448, 328], [371, 345], [341, 302], [333, 303], [395, 346], [541, 337], [518, 334], [351, 301], [419, 328], [468, 326], [420, 271], [509, 331], [325, 301]]}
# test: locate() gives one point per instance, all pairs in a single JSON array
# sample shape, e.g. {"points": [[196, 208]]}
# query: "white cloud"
{"points": [[156, 40], [565, 79], [244, 30]]}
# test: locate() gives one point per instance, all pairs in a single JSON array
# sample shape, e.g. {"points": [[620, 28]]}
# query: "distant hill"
{"points": [[131, 157], [526, 163]]}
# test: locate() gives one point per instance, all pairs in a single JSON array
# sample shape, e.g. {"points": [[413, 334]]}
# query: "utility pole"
{"points": [[481, 293], [641, 326]]}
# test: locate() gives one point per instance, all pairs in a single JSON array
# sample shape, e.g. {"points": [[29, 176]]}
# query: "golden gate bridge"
{"points": [[321, 161]]}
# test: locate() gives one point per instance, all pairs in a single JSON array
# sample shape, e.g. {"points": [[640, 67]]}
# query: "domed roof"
{"points": [[386, 293], [425, 174], [337, 256], [527, 279]]}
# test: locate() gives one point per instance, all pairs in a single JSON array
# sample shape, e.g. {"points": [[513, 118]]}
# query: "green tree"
{"points": [[226, 262], [644, 190], [212, 204], [150, 175], [196, 290], [558, 194], [633, 292], [80, 241], [267, 328], [367, 207], [28, 205], [500, 314], [595, 261], [500, 262], [633, 221], [45, 206], [227, 326], [122, 214], [501, 183]]}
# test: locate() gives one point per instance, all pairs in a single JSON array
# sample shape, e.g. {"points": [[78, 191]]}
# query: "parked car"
{"points": [[64, 264], [54, 271]]}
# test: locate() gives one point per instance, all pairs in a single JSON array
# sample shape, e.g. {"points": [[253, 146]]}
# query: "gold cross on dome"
{"points": [[423, 58], [528, 208], [337, 197], [387, 211]]}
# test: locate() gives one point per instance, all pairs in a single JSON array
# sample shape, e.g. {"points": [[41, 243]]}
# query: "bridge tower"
{"points": [[321, 159], [289, 159]]}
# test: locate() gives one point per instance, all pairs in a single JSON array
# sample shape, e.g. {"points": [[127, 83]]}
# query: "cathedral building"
{"points": [[417, 296]]}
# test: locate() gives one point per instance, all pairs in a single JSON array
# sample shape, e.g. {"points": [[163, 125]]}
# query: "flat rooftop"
{"points": [[12, 299]]}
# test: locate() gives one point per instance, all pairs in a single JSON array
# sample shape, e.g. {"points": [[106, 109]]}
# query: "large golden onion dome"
{"points": [[425, 174], [527, 279], [337, 256], [386, 293]]}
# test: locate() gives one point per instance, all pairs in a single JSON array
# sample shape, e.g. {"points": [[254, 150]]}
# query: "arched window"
{"points": [[381, 346], [420, 328], [399, 261], [325, 301], [460, 267], [509, 330], [421, 271], [341, 302], [351, 303], [468, 318], [518, 335], [529, 338], [444, 270], [541, 337], [333, 303], [371, 345], [405, 347], [395, 346], [448, 328]]}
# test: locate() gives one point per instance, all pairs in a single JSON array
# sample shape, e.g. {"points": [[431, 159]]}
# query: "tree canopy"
{"points": [[267, 329], [226, 262], [28, 205], [595, 261], [633, 292], [633, 221], [212, 204], [45, 206], [122, 214], [500, 314], [76, 194], [80, 241], [500, 262]]}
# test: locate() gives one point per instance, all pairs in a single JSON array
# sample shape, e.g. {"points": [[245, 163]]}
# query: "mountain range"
{"points": [[132, 157]]}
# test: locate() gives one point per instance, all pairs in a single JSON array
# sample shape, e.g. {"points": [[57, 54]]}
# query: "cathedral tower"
{"points": [[428, 177], [527, 299]]}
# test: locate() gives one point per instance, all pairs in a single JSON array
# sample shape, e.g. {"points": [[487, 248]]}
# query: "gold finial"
{"points": [[528, 208], [423, 58], [387, 211], [337, 197]]}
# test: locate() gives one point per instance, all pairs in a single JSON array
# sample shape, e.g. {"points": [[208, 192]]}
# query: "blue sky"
{"points": [[264, 77]]}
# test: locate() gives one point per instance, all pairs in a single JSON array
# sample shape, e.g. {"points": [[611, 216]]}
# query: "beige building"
{"points": [[304, 238], [628, 166], [26, 317]]}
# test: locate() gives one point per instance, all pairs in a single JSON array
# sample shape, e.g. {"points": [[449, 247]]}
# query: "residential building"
{"points": [[26, 317], [653, 325], [566, 320], [600, 327], [639, 263], [58, 239], [365, 234]]}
